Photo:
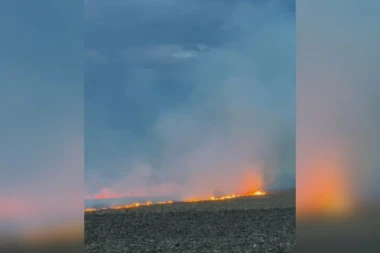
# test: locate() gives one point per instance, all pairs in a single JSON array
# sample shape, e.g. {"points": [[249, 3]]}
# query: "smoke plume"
{"points": [[234, 129]]}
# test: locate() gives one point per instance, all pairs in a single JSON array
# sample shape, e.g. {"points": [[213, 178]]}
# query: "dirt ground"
{"points": [[252, 224]]}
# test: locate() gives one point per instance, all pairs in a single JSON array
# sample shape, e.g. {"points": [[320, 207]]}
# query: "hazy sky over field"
{"points": [[186, 95]]}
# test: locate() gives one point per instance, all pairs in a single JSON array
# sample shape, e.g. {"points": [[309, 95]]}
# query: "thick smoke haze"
{"points": [[224, 124]]}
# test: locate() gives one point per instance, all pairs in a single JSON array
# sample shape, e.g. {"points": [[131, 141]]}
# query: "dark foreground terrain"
{"points": [[256, 224]]}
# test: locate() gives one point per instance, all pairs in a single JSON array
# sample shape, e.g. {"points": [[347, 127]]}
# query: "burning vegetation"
{"points": [[191, 200]]}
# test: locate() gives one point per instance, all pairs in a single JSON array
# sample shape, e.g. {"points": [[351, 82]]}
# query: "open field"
{"points": [[251, 224]]}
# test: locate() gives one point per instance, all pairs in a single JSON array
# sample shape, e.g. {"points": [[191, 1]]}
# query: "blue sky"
{"points": [[181, 90]]}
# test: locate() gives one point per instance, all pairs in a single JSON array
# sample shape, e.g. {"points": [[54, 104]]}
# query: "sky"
{"points": [[189, 96]]}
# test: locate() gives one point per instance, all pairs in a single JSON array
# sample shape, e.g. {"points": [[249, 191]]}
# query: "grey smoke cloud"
{"points": [[232, 124]]}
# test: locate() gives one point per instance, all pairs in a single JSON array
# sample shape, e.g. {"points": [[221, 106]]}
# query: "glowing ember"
{"points": [[148, 203], [257, 193]]}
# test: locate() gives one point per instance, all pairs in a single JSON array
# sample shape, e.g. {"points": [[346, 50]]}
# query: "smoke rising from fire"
{"points": [[234, 129]]}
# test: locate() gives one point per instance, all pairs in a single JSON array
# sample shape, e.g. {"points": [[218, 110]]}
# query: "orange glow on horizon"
{"points": [[247, 183], [108, 193]]}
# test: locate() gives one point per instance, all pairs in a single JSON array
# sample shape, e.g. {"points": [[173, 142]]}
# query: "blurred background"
{"points": [[338, 96], [41, 125]]}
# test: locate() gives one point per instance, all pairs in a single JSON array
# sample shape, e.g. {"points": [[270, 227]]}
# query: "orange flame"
{"points": [[148, 203], [252, 181]]}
